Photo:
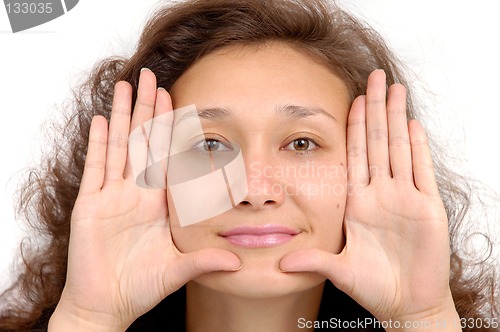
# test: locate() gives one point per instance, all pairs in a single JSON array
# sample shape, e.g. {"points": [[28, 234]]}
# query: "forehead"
{"points": [[243, 78]]}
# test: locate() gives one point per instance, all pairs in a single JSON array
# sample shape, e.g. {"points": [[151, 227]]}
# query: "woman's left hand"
{"points": [[396, 260]]}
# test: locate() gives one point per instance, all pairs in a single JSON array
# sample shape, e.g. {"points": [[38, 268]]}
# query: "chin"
{"points": [[259, 278]]}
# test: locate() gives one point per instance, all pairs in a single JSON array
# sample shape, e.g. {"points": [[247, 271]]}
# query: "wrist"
{"points": [[72, 319]]}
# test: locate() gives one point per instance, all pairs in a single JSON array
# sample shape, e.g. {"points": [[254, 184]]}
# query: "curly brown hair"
{"points": [[174, 38]]}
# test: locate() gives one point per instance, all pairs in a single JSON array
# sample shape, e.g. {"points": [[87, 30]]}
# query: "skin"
{"points": [[124, 258], [253, 84], [251, 87]]}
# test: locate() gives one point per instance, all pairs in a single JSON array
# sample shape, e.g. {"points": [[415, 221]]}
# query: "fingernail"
{"points": [[238, 268], [279, 266], [161, 88], [144, 68]]}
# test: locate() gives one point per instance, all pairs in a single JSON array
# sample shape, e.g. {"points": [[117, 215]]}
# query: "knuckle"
{"points": [[399, 141], [376, 101], [196, 261], [420, 141], [119, 142], [377, 134], [378, 172], [403, 177], [423, 166], [94, 164], [397, 111], [356, 121], [323, 261], [121, 109], [98, 140], [144, 103], [356, 151]]}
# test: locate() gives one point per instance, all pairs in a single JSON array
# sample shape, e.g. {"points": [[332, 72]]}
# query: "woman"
{"points": [[293, 84]]}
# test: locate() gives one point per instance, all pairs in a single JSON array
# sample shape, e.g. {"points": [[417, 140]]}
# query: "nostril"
{"points": [[257, 204]]}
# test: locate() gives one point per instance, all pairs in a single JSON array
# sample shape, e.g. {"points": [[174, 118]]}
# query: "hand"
{"points": [[122, 260], [395, 262]]}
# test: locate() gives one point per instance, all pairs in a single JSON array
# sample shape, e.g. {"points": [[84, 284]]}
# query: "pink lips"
{"points": [[259, 236]]}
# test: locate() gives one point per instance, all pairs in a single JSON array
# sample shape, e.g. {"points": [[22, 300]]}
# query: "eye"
{"points": [[302, 145], [211, 145]]}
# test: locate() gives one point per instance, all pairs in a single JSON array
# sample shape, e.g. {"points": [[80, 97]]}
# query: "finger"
{"points": [[146, 98], [163, 102], [329, 265], [140, 127], [376, 125], [399, 141], [119, 126], [159, 141], [423, 167], [195, 264], [95, 161], [357, 159]]}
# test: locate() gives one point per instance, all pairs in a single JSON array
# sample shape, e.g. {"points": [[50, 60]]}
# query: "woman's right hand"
{"points": [[122, 260]]}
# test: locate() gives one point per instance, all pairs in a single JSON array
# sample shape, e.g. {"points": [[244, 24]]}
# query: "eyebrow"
{"points": [[214, 113], [211, 113], [291, 111], [299, 112]]}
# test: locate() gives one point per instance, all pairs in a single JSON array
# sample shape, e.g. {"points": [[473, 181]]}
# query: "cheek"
{"points": [[322, 195], [188, 238], [320, 183]]}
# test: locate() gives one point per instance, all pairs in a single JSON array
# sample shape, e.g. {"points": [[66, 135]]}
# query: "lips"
{"points": [[259, 236]]}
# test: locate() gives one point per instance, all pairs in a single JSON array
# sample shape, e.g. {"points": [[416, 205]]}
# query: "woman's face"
{"points": [[288, 113]]}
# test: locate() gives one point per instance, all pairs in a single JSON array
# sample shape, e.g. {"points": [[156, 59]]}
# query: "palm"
{"points": [[396, 259], [402, 242], [122, 260], [124, 232]]}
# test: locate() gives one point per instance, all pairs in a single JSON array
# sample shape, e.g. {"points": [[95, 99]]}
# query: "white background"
{"points": [[452, 48]]}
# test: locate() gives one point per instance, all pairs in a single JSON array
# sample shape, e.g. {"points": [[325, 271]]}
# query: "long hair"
{"points": [[174, 38]]}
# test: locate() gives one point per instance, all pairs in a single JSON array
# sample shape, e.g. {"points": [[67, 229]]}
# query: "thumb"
{"points": [[194, 264], [332, 266]]}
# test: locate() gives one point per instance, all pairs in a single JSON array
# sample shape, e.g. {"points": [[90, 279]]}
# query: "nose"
{"points": [[265, 190]]}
